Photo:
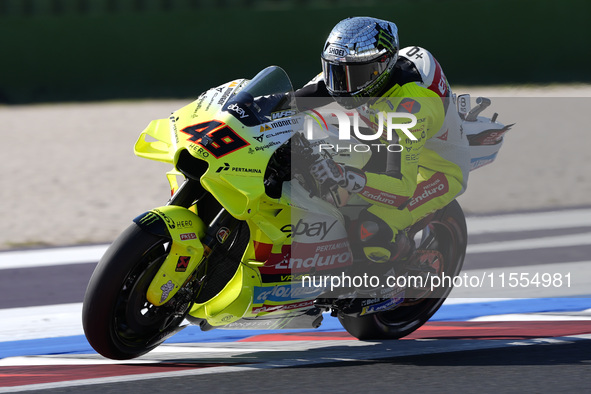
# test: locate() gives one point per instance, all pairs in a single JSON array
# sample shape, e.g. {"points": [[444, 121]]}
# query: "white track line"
{"points": [[529, 221], [332, 351], [36, 322], [65, 319], [532, 243], [533, 317], [51, 257], [568, 279], [476, 225]]}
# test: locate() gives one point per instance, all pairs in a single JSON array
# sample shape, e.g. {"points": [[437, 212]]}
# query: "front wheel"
{"points": [[448, 239], [118, 320]]}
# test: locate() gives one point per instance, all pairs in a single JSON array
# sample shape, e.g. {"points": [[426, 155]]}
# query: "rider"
{"points": [[363, 68]]}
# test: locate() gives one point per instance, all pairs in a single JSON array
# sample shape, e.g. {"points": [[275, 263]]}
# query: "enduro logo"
{"points": [[300, 259], [316, 261], [383, 197], [434, 187]]}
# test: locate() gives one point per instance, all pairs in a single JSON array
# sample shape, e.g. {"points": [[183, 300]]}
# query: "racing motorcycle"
{"points": [[248, 226]]}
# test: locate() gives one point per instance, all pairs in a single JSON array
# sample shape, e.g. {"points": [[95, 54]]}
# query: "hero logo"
{"points": [[240, 111], [318, 229], [184, 223]]}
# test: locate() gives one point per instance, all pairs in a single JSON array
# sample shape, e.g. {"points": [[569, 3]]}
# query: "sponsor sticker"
{"points": [[222, 234], [188, 236], [383, 197], [284, 293], [304, 258], [182, 263], [385, 305], [166, 289], [434, 187]]}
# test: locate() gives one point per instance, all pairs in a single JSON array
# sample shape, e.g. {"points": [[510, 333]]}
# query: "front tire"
{"points": [[449, 238], [118, 320]]}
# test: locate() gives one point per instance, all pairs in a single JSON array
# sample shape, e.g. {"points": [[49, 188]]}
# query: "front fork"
{"points": [[190, 239]]}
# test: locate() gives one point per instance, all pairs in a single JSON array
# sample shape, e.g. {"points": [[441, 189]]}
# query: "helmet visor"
{"points": [[352, 77]]}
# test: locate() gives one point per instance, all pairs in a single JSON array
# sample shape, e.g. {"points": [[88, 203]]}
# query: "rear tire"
{"points": [[451, 240], [118, 320]]}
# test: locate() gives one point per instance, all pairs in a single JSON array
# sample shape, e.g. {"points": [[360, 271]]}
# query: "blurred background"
{"points": [[80, 79], [81, 50]]}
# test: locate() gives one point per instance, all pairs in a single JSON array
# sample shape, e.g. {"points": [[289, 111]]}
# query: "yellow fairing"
{"points": [[186, 229], [161, 148], [234, 178], [239, 194], [233, 302]]}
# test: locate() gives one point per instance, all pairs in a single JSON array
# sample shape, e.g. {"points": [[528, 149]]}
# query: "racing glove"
{"points": [[349, 178]]}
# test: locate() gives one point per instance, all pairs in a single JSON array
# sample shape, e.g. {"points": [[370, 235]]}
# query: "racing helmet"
{"points": [[358, 57]]}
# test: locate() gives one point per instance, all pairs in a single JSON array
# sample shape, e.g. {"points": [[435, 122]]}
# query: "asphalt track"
{"points": [[77, 182], [487, 338]]}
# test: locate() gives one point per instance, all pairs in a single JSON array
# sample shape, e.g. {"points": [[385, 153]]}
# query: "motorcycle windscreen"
{"points": [[267, 93]]}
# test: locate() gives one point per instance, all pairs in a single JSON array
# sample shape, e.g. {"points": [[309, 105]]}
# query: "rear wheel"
{"points": [[446, 239], [118, 320]]}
